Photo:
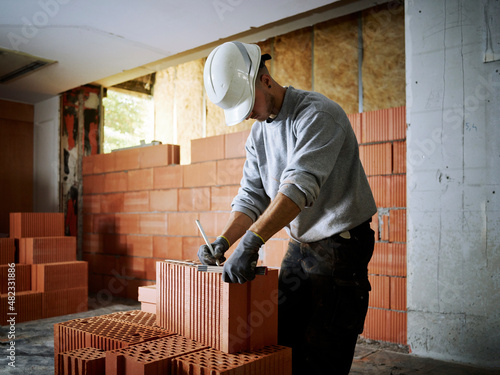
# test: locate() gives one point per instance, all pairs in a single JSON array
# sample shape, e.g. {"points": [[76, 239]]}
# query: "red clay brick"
{"points": [[132, 267], [7, 250], [140, 246], [386, 325], [48, 277], [126, 160], [47, 249], [147, 294], [194, 199], [397, 191], [190, 246], [88, 165], [128, 223], [398, 293], [355, 119], [274, 250], [28, 306], [182, 224], [101, 333], [270, 360], [388, 259], [92, 243], [222, 196], [399, 123], [93, 184], [153, 223], [111, 203], [163, 200], [213, 222], [235, 144], [200, 174], [168, 177], [36, 224], [22, 277], [114, 244], [157, 156], [397, 225], [167, 247], [136, 201], [152, 357], [399, 157], [115, 182], [104, 223], [91, 204], [380, 293], [207, 149], [148, 307], [376, 159], [381, 186], [230, 171], [82, 361], [101, 263], [109, 163], [64, 302], [141, 179], [98, 163]]}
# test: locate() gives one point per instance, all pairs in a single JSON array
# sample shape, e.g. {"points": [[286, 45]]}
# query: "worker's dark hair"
{"points": [[263, 60]]}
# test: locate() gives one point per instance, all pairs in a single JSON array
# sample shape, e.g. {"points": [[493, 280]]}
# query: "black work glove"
{"points": [[220, 246], [240, 266]]}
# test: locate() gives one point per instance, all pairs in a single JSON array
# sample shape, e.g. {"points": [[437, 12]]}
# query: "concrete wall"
{"points": [[453, 168], [46, 156]]}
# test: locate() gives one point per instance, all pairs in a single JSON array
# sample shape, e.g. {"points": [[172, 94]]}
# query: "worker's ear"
{"points": [[265, 80]]}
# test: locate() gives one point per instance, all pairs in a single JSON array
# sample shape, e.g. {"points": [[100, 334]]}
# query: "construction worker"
{"points": [[302, 173]]}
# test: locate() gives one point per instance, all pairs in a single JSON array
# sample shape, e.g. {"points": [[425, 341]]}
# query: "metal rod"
{"points": [[206, 240]]}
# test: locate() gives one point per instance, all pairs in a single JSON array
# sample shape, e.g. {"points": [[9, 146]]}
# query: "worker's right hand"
{"points": [[220, 246]]}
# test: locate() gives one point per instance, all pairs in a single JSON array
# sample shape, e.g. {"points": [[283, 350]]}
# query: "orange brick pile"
{"points": [[203, 326], [48, 279]]}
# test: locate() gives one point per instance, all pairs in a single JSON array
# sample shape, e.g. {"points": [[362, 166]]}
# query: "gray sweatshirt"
{"points": [[310, 154]]}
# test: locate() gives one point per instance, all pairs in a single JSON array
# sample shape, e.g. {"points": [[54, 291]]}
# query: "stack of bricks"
{"points": [[227, 329], [227, 317], [46, 279], [382, 138]]}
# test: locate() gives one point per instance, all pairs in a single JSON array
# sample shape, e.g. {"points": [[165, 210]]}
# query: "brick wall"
{"points": [[382, 138], [138, 212]]}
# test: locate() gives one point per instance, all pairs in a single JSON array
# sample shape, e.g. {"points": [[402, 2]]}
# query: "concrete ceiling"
{"points": [[111, 41]]}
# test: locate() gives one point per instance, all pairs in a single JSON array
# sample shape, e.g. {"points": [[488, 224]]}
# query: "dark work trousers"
{"points": [[324, 300]]}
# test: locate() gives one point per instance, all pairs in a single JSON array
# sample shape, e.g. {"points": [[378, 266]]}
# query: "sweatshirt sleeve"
{"points": [[252, 199], [319, 139]]}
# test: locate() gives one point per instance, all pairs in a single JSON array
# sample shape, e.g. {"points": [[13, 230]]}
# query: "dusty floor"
{"points": [[35, 350]]}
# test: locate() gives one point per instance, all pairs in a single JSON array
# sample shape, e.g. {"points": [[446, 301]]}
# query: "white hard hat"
{"points": [[229, 75]]}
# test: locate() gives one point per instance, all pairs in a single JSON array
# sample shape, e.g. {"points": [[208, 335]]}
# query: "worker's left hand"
{"points": [[240, 267]]}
